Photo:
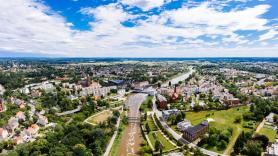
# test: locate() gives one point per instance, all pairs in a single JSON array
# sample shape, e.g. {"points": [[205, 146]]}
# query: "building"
{"points": [[2, 107], [193, 133], [232, 102], [13, 123], [3, 134], [36, 93], [20, 115], [18, 140], [140, 85], [42, 120], [270, 118], [167, 113], [182, 126], [272, 150], [161, 101]]}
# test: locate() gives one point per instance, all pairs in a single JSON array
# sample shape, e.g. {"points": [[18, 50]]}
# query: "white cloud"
{"points": [[268, 35], [40, 30], [144, 4]]}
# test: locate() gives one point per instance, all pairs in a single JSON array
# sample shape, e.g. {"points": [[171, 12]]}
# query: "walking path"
{"points": [[110, 145], [70, 112], [261, 125]]}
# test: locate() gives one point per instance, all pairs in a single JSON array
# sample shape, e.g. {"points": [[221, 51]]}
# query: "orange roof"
{"points": [[35, 126], [19, 114]]}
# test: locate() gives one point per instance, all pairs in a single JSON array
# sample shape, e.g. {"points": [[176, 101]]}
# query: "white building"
{"points": [[13, 123], [272, 150], [184, 125], [3, 134], [42, 120], [270, 118]]}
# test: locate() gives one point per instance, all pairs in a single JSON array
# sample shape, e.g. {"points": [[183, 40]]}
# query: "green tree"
{"points": [[80, 150], [253, 148]]}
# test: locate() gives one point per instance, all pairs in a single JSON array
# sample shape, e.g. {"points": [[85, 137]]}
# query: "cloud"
{"points": [[202, 30], [144, 4], [268, 35]]}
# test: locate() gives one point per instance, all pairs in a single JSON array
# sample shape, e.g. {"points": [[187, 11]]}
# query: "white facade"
{"points": [[3, 134]]}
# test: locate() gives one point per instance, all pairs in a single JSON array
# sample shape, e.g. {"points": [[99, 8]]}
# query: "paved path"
{"points": [[70, 112], [110, 145], [261, 125]]}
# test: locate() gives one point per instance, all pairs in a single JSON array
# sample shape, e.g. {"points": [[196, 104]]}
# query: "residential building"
{"points": [[270, 118], [18, 140], [20, 115], [42, 120], [183, 125], [2, 107], [167, 113], [161, 101], [272, 150], [193, 133], [13, 123], [232, 102], [3, 134]]}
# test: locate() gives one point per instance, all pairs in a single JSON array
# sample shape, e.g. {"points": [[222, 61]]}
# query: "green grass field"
{"points": [[167, 145], [116, 144], [151, 124], [270, 133], [223, 119], [147, 104]]}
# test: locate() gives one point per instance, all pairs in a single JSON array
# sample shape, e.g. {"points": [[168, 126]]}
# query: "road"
{"points": [[132, 137]]}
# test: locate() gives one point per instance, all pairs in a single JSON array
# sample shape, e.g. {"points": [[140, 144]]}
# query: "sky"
{"points": [[139, 28]]}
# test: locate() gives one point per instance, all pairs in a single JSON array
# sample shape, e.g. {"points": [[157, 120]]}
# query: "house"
{"points": [[3, 134], [42, 120], [232, 102], [167, 113], [13, 123], [18, 140], [192, 133], [161, 101], [20, 115], [270, 118], [2, 107], [32, 130], [36, 93], [140, 85], [183, 125], [272, 150]]}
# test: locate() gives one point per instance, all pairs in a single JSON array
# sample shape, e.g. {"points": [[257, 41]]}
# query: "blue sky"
{"points": [[140, 28]]}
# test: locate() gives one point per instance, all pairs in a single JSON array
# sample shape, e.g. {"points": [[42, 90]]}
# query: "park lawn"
{"points": [[167, 145], [151, 124], [100, 117], [223, 119], [117, 141], [144, 106], [270, 133]]}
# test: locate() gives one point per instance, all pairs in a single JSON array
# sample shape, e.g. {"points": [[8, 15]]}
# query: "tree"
{"points": [[1, 146], [237, 119], [80, 150], [253, 148], [147, 128], [198, 152], [263, 139], [158, 145]]}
